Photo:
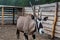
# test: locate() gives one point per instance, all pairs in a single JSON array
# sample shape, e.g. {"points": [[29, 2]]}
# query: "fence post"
{"points": [[55, 21], [13, 15], [2, 16]]}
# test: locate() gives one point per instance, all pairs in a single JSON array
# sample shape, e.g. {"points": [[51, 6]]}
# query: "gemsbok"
{"points": [[29, 26]]}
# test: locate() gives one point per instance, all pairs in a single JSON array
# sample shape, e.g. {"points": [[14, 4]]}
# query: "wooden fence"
{"points": [[8, 14], [52, 11]]}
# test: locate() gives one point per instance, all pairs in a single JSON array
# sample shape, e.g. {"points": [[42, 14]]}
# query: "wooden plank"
{"points": [[48, 22], [58, 19], [49, 17], [2, 16], [36, 7], [28, 10], [10, 6], [47, 26], [59, 6], [50, 29], [43, 10], [57, 35], [58, 28], [6, 12], [54, 23], [48, 5], [58, 23], [47, 31], [59, 9], [48, 13], [49, 9], [58, 14], [6, 16], [8, 19], [27, 7]]}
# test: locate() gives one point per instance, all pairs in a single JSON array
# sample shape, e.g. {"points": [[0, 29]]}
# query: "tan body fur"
{"points": [[26, 24]]}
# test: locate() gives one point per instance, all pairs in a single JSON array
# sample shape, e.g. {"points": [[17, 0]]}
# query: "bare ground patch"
{"points": [[8, 32]]}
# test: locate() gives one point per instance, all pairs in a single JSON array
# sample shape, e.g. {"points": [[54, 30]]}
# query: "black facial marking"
{"points": [[39, 19], [40, 25], [32, 16]]}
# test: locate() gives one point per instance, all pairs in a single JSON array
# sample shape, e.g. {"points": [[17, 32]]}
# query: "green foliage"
{"points": [[14, 2], [25, 2], [7, 2], [22, 2]]}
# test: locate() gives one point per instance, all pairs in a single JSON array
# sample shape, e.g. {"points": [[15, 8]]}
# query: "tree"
{"points": [[3, 2], [21, 2], [25, 2], [10, 2]]}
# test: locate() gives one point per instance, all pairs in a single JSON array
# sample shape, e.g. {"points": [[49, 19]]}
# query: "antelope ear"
{"points": [[45, 18]]}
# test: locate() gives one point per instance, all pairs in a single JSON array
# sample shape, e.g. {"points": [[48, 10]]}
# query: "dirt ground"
{"points": [[8, 32]]}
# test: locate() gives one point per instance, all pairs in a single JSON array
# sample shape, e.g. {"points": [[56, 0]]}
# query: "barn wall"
{"points": [[48, 10]]}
